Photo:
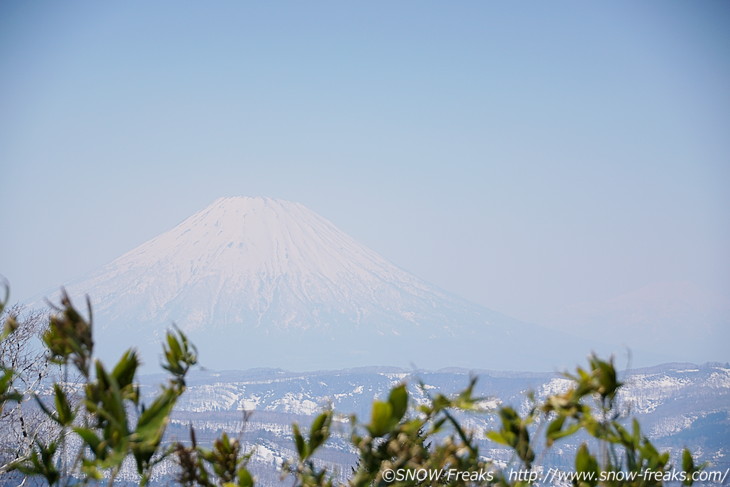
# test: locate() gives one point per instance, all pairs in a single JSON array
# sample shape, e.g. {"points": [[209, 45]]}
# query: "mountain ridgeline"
{"points": [[259, 282]]}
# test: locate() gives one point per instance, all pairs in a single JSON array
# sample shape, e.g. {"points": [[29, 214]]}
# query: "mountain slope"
{"points": [[264, 282]]}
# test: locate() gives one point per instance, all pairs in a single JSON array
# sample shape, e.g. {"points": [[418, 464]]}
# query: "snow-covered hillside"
{"points": [[678, 406]]}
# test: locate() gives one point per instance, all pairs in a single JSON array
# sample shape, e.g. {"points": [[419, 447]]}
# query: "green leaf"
{"points": [[441, 402], [438, 424], [175, 348], [126, 369], [299, 442], [91, 470], [151, 427], [11, 324], [179, 354], [64, 414], [244, 478], [154, 418], [398, 400], [413, 426], [573, 428], [90, 439], [381, 418], [319, 431], [497, 437], [585, 462], [7, 393], [554, 429], [465, 400], [688, 463]]}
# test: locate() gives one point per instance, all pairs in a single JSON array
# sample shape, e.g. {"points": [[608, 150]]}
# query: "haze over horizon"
{"points": [[565, 164]]}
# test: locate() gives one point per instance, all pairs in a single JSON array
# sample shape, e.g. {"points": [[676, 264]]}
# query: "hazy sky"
{"points": [[529, 156]]}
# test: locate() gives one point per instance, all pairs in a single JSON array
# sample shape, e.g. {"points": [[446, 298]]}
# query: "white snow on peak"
{"points": [[261, 282], [241, 256]]}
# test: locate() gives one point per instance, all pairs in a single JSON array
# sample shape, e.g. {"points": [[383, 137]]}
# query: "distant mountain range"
{"points": [[269, 283], [677, 405]]}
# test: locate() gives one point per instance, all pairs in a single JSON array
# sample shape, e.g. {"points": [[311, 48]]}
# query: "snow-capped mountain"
{"points": [[265, 282]]}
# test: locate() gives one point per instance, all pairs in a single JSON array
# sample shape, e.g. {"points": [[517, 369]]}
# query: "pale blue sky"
{"points": [[526, 155]]}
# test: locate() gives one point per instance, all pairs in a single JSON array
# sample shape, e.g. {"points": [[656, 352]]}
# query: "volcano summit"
{"points": [[259, 282]]}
